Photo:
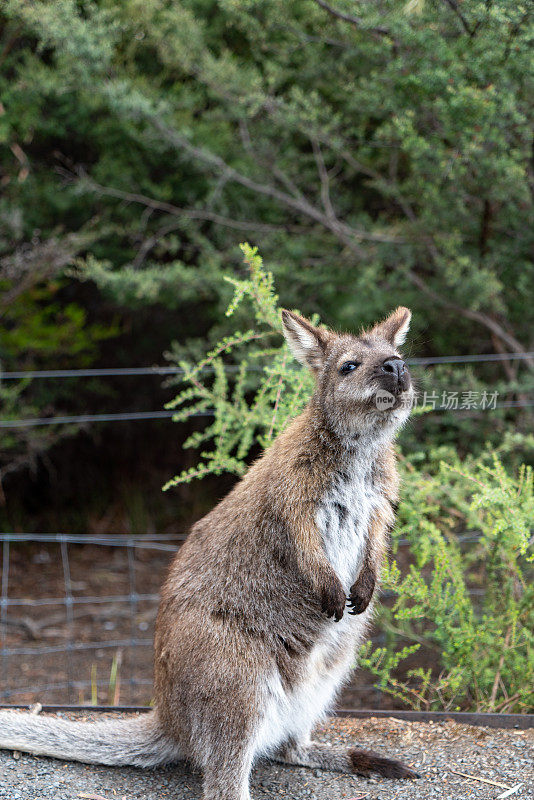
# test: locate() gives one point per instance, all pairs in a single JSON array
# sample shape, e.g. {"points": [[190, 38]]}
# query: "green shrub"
{"points": [[466, 598], [465, 595], [252, 398]]}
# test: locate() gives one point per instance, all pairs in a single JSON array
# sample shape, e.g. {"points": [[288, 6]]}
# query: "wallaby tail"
{"points": [[139, 742]]}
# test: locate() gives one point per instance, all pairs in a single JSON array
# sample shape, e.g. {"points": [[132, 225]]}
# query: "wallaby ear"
{"points": [[306, 342], [395, 327]]}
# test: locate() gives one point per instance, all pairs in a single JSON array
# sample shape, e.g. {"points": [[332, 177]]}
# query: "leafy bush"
{"points": [[467, 597], [252, 399], [466, 594]]}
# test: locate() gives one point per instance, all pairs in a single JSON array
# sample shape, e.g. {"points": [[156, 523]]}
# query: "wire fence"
{"points": [[94, 372], [137, 416], [80, 664], [77, 612], [61, 628], [77, 617]]}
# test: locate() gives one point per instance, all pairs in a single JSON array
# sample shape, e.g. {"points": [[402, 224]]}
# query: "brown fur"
{"points": [[253, 637], [252, 589], [341, 759]]}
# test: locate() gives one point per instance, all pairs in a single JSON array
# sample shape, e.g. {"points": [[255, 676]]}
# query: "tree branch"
{"points": [[357, 21], [176, 211], [325, 180], [299, 203], [151, 241], [345, 233], [284, 179], [477, 316], [453, 5], [32, 263]]}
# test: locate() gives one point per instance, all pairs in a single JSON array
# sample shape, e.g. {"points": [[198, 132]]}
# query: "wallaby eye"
{"points": [[349, 366]]}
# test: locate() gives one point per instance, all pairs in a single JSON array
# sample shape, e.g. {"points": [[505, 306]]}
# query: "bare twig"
{"points": [[147, 245], [509, 792], [508, 703], [453, 5], [175, 211], [325, 180], [482, 780], [279, 174], [26, 623], [495, 687], [299, 204], [89, 796], [508, 366], [357, 21], [216, 192], [34, 262]]}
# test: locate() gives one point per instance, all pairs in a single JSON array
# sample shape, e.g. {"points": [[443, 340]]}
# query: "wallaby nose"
{"points": [[396, 367]]}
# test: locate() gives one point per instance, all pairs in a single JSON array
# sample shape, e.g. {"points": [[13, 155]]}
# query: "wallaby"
{"points": [[270, 595]]}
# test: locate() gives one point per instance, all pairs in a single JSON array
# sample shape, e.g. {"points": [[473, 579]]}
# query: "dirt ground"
{"points": [[455, 761]]}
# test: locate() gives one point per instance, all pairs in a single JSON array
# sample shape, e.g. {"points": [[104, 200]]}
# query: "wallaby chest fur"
{"points": [[253, 636], [344, 512], [343, 518]]}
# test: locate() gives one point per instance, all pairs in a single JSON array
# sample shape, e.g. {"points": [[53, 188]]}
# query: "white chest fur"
{"points": [[343, 518]]}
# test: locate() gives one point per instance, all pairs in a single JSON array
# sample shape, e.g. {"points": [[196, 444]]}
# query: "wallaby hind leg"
{"points": [[342, 759], [226, 773]]}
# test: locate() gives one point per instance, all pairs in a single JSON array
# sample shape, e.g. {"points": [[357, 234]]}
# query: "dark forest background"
{"points": [[377, 153]]}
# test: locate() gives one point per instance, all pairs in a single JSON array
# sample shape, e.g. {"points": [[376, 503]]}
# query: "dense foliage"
{"points": [[463, 592], [377, 153], [466, 600]]}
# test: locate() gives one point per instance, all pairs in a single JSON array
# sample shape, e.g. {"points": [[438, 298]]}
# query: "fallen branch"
{"points": [[92, 796], [513, 790], [482, 780]]}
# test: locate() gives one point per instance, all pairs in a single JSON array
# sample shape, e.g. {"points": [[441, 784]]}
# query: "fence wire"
{"points": [[104, 372], [60, 636], [70, 667], [135, 416]]}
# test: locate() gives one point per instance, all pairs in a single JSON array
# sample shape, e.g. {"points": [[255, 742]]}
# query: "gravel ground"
{"points": [[437, 750]]}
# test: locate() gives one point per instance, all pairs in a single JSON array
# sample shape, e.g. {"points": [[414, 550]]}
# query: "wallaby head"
{"points": [[363, 385]]}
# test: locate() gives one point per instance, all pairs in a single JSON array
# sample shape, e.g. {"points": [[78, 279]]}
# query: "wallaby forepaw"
{"points": [[333, 598], [361, 593], [364, 762]]}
